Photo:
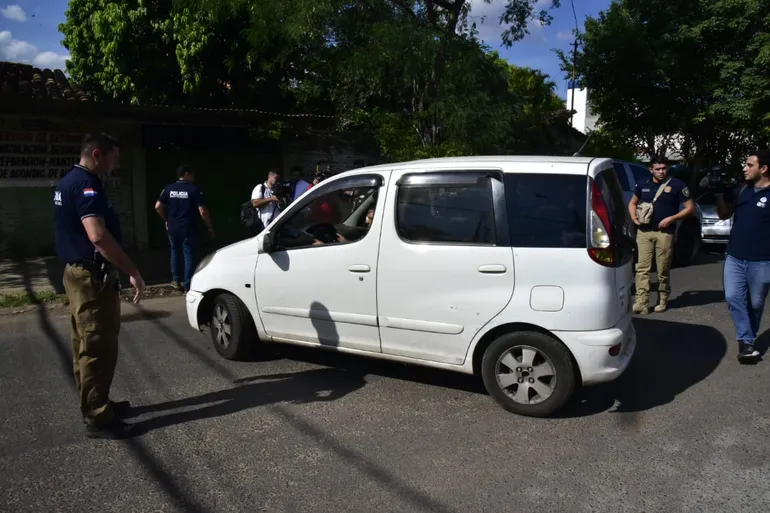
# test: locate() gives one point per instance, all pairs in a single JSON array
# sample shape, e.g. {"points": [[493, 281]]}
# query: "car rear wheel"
{"points": [[232, 328], [529, 373]]}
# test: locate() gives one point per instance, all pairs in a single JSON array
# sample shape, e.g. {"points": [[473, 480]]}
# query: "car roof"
{"points": [[538, 163]]}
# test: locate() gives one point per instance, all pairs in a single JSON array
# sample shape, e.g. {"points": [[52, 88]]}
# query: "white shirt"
{"points": [[269, 211]]}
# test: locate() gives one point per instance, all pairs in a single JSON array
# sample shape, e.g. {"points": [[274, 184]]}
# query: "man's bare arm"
{"points": [[206, 215], [259, 203], [632, 208], [725, 209], [160, 208], [103, 240]]}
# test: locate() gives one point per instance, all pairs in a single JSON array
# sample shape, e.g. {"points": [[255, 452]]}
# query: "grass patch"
{"points": [[17, 299]]}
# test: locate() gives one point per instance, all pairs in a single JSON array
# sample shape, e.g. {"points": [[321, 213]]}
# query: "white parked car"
{"points": [[515, 269]]}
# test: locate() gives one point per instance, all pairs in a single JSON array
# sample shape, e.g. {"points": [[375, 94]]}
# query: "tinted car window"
{"points": [[620, 171], [546, 211], [446, 213], [640, 174]]}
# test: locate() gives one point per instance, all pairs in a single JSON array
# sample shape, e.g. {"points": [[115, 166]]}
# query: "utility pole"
{"points": [[574, 61]]}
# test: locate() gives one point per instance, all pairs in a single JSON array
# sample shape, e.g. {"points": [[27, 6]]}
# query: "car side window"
{"points": [[640, 174], [325, 218], [442, 213], [546, 210], [620, 171]]}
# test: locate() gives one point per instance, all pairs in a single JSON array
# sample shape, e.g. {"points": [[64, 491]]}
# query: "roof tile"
{"points": [[28, 81]]}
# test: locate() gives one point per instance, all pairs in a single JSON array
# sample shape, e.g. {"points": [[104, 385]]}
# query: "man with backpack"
{"points": [[263, 207], [654, 208]]}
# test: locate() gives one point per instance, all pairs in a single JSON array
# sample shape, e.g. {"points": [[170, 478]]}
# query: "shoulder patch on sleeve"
{"points": [[686, 192]]}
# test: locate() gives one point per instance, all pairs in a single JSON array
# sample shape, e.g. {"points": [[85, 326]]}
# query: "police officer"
{"points": [[747, 263], [88, 242], [179, 206], [264, 199], [656, 237]]}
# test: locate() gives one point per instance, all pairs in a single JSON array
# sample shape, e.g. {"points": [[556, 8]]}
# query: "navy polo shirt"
{"points": [[182, 200], [79, 194], [667, 204], [750, 233]]}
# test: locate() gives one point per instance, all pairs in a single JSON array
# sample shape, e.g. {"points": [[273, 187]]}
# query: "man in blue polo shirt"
{"points": [[655, 238], [747, 264], [179, 206], [88, 241]]}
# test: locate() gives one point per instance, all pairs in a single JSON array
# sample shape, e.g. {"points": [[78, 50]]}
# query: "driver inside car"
{"points": [[340, 238]]}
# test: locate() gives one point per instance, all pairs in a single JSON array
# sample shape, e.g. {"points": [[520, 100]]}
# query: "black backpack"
{"points": [[250, 217]]}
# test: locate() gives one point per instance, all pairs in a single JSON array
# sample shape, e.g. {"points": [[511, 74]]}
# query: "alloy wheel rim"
{"points": [[222, 326], [526, 375]]}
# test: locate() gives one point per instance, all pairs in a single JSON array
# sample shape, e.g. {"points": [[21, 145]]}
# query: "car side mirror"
{"points": [[265, 243]]}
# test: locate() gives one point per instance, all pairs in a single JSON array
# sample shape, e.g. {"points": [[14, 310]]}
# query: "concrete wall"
{"points": [[34, 153]]}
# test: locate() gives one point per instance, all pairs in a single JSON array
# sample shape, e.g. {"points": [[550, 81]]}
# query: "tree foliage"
{"points": [[414, 74], [694, 72]]}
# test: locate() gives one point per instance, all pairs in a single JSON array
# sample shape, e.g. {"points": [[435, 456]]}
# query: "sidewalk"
{"points": [[45, 274]]}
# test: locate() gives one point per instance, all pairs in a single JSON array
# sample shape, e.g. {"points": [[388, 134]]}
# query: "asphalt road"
{"points": [[685, 430]]}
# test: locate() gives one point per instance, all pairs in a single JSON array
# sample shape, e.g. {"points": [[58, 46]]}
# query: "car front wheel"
{"points": [[529, 373], [232, 328]]}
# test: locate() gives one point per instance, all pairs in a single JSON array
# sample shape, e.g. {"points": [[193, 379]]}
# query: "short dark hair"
{"points": [[183, 170], [105, 143], [763, 156], [658, 159]]}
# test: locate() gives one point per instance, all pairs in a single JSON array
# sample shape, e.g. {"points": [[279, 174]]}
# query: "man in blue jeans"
{"points": [[747, 262], [179, 206]]}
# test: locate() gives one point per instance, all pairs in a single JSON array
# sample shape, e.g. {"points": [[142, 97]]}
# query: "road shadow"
{"points": [[171, 486], [365, 464], [371, 366], [670, 358], [321, 385], [145, 315], [697, 298]]}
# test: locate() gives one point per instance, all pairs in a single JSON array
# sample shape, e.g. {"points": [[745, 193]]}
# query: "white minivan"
{"points": [[515, 269]]}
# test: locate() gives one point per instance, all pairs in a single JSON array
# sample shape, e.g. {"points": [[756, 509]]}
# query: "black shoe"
{"points": [[122, 409], [747, 352], [115, 430]]}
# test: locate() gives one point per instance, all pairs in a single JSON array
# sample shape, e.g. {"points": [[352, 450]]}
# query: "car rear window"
{"points": [[546, 210]]}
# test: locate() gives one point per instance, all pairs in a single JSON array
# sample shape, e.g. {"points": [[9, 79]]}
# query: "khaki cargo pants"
{"points": [[94, 327], [661, 246]]}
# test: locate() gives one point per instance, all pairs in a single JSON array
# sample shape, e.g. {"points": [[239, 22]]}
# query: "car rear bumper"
{"points": [[593, 350], [193, 302]]}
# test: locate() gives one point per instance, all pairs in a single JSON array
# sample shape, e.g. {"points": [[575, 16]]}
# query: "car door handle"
{"points": [[492, 269], [361, 268]]}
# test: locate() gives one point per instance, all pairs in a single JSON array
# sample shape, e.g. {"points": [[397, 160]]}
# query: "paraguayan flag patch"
{"points": [[89, 192]]}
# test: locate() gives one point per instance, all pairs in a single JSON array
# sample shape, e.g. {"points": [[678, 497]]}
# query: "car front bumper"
{"points": [[193, 301], [716, 231]]}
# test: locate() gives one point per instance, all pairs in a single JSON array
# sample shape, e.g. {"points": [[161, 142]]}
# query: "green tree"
{"points": [[694, 70]]}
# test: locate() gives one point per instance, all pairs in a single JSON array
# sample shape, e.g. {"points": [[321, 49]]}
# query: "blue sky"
{"points": [[29, 33]]}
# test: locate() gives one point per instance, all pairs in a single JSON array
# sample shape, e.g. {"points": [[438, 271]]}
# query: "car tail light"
{"points": [[615, 350], [600, 249]]}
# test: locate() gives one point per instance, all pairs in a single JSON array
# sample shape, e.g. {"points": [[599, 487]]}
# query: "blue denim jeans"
{"points": [[746, 286], [182, 245]]}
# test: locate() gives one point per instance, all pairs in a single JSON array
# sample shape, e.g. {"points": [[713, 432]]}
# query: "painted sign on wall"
{"points": [[40, 158]]}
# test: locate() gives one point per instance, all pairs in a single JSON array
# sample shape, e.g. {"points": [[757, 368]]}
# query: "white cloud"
{"points": [[14, 50], [564, 36], [14, 12]]}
